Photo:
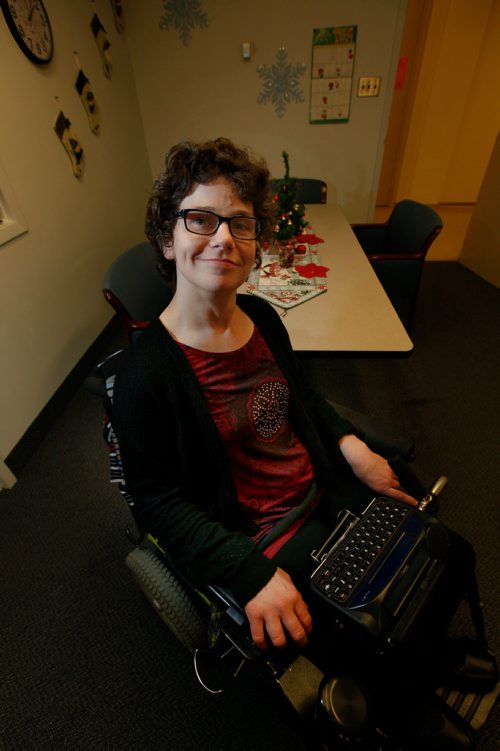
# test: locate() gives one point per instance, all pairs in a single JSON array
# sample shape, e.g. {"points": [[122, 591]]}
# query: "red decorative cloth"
{"points": [[309, 239], [311, 269]]}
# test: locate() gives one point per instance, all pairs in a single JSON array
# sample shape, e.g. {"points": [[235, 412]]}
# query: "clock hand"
{"points": [[33, 6]]}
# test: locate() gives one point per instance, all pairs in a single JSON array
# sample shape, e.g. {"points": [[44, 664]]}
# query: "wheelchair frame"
{"points": [[186, 609]]}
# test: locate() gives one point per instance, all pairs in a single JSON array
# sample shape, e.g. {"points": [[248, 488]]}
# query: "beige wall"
{"points": [[479, 119], [50, 303], [456, 107], [206, 90], [481, 250]]}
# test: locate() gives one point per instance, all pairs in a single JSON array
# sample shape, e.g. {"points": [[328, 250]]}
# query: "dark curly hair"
{"points": [[189, 164]]}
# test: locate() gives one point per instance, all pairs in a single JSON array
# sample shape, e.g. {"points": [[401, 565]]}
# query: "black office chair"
{"points": [[311, 191], [397, 249], [135, 289], [308, 190]]}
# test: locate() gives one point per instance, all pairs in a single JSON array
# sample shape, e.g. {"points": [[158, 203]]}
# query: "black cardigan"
{"points": [[175, 463]]}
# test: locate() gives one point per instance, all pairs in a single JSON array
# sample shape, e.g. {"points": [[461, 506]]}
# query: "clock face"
{"points": [[30, 26]]}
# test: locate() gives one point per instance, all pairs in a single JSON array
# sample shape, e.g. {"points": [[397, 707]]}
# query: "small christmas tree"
{"points": [[290, 213]]}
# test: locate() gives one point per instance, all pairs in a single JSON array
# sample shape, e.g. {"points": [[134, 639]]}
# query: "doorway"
{"points": [[444, 119]]}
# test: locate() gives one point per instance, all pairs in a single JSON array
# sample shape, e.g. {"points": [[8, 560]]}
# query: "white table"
{"points": [[354, 315]]}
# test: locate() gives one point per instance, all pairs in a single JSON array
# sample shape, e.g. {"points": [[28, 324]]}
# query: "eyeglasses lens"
{"points": [[206, 223]]}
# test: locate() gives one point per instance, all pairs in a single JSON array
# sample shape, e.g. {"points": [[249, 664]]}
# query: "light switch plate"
{"points": [[369, 86], [246, 51]]}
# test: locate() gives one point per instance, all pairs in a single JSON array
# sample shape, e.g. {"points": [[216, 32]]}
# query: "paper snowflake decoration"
{"points": [[281, 82], [184, 16]]}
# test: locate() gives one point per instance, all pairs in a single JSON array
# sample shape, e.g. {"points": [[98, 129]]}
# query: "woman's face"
{"points": [[217, 263]]}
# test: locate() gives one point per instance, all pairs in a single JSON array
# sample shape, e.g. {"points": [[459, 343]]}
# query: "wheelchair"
{"points": [[339, 707]]}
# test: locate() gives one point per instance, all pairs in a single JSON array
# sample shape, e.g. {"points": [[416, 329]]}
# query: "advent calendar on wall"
{"points": [[331, 74]]}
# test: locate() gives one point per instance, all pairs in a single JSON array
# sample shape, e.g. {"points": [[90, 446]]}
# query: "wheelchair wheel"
{"points": [[169, 598]]}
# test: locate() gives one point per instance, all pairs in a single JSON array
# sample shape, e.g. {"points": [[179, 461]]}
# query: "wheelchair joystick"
{"points": [[432, 495]]}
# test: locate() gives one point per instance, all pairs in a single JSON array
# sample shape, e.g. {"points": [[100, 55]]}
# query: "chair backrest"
{"points": [[309, 190], [412, 227], [134, 288]]}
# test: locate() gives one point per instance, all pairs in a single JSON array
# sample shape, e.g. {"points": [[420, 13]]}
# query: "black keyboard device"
{"points": [[378, 572]]}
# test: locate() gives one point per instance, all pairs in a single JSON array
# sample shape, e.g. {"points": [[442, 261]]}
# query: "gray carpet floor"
{"points": [[86, 663]]}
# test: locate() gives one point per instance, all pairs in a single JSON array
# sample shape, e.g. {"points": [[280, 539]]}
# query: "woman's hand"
{"points": [[372, 469], [278, 609]]}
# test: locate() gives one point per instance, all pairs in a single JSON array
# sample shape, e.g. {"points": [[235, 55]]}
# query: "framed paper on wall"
{"points": [[333, 52]]}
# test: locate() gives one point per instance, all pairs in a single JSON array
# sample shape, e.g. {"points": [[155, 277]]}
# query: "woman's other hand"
{"points": [[372, 469], [278, 610]]}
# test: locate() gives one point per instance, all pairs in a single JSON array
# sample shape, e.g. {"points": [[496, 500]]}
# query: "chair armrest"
{"points": [[382, 437], [131, 325], [134, 328], [396, 256]]}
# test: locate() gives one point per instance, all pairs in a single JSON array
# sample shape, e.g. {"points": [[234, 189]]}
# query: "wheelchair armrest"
{"points": [[233, 622], [95, 384], [381, 436], [225, 598]]}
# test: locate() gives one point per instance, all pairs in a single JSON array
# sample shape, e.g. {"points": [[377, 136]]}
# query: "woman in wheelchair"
{"points": [[221, 434]]}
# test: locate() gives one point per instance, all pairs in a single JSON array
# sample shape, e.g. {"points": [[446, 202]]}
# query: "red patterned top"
{"points": [[248, 398]]}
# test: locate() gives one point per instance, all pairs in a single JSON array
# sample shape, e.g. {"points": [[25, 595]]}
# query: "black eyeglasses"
{"points": [[207, 223]]}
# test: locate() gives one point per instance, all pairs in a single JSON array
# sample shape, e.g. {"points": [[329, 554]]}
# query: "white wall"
{"points": [[205, 89], [51, 308]]}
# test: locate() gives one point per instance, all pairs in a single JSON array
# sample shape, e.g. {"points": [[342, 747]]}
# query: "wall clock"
{"points": [[29, 24]]}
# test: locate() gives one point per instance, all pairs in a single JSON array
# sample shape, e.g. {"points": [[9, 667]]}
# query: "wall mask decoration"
{"points": [[184, 16], [70, 142], [103, 44], [117, 6], [281, 82], [82, 85]]}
